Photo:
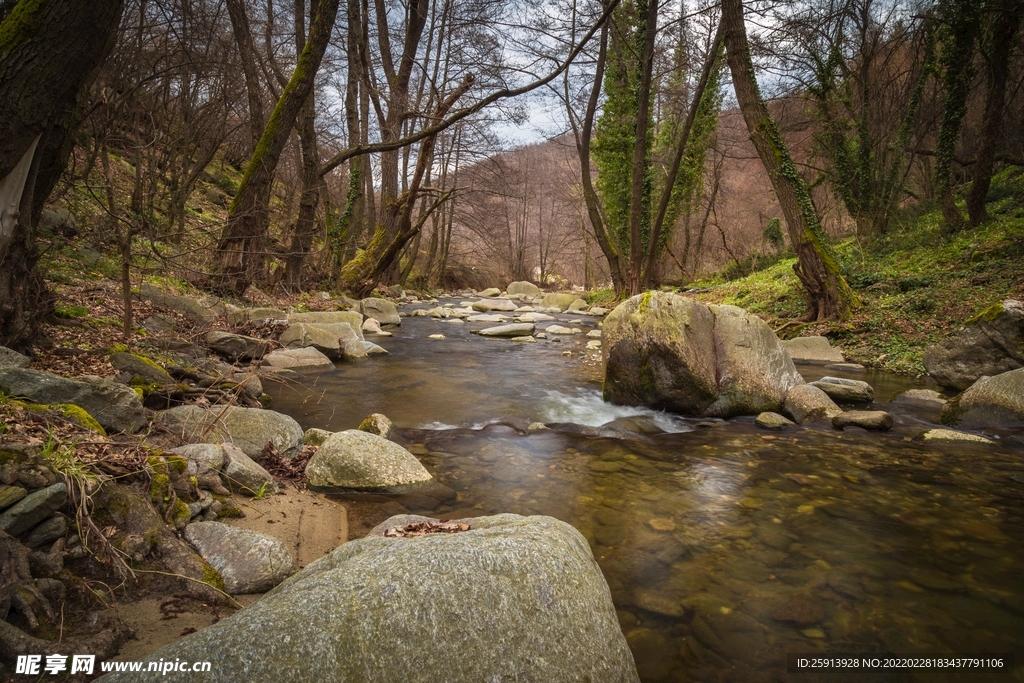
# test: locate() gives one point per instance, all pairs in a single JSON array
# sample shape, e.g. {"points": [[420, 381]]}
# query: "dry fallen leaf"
{"points": [[424, 528]]}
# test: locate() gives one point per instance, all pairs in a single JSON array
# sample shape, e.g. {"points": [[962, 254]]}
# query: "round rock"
{"points": [[360, 461]]}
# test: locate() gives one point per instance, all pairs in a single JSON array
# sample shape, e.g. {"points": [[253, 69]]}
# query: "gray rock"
{"points": [[846, 390], [13, 359], [772, 421], [991, 402], [371, 326], [248, 561], [490, 292], [202, 458], [360, 461], [297, 358], [513, 330], [113, 405], [558, 329], [670, 352], [243, 475], [58, 220], [33, 508], [812, 350], [378, 424], [374, 349], [846, 367], [513, 599], [237, 346], [950, 436], [327, 338], [353, 318], [47, 532], [990, 344], [244, 315], [315, 437], [577, 306], [140, 366], [250, 385], [808, 403], [354, 349], [559, 301], [381, 310], [487, 318], [248, 428], [921, 398], [494, 305], [534, 317], [187, 306], [598, 310], [524, 340], [874, 420], [522, 288]]}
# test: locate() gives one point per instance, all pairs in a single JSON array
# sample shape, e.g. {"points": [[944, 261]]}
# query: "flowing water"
{"points": [[725, 547]]}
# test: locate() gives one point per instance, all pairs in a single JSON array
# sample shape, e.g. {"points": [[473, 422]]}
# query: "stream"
{"points": [[725, 546]]}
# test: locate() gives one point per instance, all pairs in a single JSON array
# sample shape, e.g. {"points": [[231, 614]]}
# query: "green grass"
{"points": [[918, 283]]}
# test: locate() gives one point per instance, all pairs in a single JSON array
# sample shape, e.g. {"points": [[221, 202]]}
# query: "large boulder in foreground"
{"points": [[991, 403], [360, 461], [113, 405], [670, 352], [248, 428], [512, 599], [381, 310], [990, 344]]}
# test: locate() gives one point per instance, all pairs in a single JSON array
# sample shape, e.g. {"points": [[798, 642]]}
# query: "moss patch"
{"points": [[71, 412], [213, 577]]}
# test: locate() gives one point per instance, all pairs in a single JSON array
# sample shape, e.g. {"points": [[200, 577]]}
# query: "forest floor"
{"points": [[917, 283]]}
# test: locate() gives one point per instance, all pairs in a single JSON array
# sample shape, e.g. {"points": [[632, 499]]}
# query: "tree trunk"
{"points": [[827, 293], [243, 242], [39, 85], [1006, 18], [247, 57]]}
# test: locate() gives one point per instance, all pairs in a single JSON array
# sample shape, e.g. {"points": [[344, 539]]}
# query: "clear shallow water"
{"points": [[725, 547]]}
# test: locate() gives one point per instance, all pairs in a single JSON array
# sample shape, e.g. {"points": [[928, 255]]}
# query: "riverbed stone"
{"points": [[512, 599], [522, 288], [307, 357], [846, 390], [378, 424], [558, 300], [511, 330], [800, 609], [237, 346], [360, 461], [577, 306], [559, 329], [244, 315], [991, 402], [534, 317], [490, 292], [353, 318], [354, 349], [988, 345], [772, 421], [12, 359], [873, 420], [115, 406], [671, 352], [371, 326], [808, 403], [812, 350], [248, 561], [951, 436], [315, 437], [381, 310], [921, 398], [248, 428], [327, 338], [494, 305], [372, 349], [244, 475], [846, 367], [33, 508], [9, 495]]}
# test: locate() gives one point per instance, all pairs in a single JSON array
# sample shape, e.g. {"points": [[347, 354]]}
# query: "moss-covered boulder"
{"points": [[511, 599], [670, 352], [381, 310], [113, 405], [237, 346], [558, 300], [248, 561], [523, 289], [990, 403], [353, 318], [990, 344], [808, 403], [136, 366], [327, 338]]}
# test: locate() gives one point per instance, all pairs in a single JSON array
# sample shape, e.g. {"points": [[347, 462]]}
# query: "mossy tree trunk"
{"points": [[242, 248], [49, 53], [1006, 19], [828, 294]]}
